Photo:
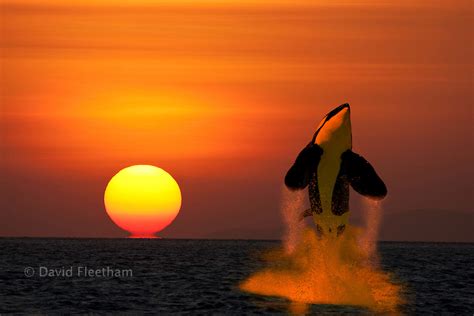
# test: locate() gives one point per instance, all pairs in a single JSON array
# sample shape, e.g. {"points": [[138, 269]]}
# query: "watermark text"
{"points": [[77, 272]]}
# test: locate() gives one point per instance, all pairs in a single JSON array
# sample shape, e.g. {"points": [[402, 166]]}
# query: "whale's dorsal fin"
{"points": [[299, 175], [362, 176]]}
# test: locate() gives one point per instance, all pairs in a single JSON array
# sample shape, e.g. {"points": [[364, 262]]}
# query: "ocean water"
{"points": [[41, 275]]}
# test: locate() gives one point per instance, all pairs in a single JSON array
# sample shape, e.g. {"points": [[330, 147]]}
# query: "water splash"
{"points": [[292, 206], [311, 270], [372, 214]]}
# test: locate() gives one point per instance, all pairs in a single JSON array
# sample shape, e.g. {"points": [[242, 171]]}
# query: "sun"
{"points": [[142, 200]]}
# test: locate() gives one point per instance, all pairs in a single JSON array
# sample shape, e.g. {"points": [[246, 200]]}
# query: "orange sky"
{"points": [[223, 96]]}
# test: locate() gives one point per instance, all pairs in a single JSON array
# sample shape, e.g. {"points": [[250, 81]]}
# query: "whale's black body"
{"points": [[329, 166]]}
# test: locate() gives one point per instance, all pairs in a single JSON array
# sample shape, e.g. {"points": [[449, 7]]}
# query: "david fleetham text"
{"points": [[78, 271]]}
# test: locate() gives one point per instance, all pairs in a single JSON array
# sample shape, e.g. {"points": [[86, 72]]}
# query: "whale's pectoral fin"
{"points": [[305, 213], [299, 175], [362, 176]]}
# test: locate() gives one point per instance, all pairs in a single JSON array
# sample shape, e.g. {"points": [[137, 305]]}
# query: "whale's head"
{"points": [[334, 131], [332, 138]]}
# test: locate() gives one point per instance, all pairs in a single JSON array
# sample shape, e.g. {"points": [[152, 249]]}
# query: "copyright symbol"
{"points": [[29, 272]]}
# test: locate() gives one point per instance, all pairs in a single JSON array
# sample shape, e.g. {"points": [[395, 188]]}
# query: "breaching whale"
{"points": [[328, 166]]}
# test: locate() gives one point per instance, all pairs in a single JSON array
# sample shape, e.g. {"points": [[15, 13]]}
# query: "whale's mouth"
{"points": [[334, 132], [337, 110], [329, 116]]}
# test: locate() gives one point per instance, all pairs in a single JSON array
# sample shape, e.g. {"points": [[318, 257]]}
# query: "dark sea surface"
{"points": [[202, 277]]}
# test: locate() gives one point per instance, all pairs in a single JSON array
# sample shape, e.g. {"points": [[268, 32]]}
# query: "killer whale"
{"points": [[328, 166]]}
